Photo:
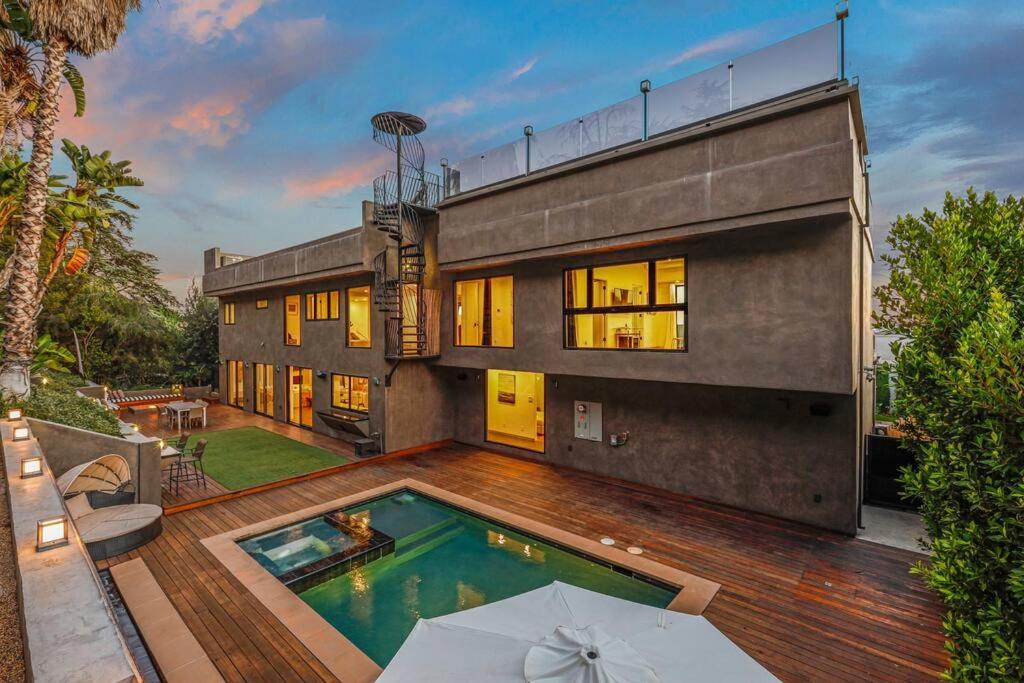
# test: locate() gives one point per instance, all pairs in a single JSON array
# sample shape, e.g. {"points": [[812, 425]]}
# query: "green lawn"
{"points": [[248, 456]]}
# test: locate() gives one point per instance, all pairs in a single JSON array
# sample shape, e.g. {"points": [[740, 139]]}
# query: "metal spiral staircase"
{"points": [[402, 198]]}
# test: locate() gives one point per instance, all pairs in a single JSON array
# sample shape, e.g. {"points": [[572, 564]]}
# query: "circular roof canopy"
{"points": [[398, 122], [107, 473]]}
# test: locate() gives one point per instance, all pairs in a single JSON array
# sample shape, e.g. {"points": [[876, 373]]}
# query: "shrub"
{"points": [[56, 401], [956, 297]]}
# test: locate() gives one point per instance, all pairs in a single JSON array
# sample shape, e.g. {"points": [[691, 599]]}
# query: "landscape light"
{"points": [[21, 434], [31, 467], [645, 85], [52, 533], [14, 415]]}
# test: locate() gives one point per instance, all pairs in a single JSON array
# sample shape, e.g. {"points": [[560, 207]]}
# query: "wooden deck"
{"points": [[220, 417], [807, 604]]}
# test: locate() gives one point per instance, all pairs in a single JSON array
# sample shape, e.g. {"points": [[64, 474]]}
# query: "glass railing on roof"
{"points": [[802, 62]]}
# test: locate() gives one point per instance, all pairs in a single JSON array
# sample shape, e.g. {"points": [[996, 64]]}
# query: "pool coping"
{"points": [[336, 652]]}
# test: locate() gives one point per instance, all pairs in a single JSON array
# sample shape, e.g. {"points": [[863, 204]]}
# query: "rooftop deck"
{"points": [[807, 604]]}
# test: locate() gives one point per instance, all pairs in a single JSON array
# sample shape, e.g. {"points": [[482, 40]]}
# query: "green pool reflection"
{"points": [[447, 560]]}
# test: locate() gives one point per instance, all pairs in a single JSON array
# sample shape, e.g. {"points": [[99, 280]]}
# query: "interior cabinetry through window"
{"points": [[628, 306], [350, 393], [484, 312]]}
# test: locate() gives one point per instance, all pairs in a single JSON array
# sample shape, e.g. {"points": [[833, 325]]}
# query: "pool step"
{"points": [[423, 535]]}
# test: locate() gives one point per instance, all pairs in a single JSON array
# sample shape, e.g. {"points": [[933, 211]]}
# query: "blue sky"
{"points": [[249, 119]]}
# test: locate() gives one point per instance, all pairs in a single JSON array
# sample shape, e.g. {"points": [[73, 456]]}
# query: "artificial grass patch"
{"points": [[249, 456]]}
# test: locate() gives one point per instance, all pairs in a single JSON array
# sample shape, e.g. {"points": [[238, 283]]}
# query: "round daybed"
{"points": [[106, 527]]}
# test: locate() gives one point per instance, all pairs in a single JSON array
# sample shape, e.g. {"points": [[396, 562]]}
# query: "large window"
{"points": [[236, 383], [484, 312], [323, 305], [629, 306], [358, 315], [350, 393], [515, 408], [229, 314], [292, 320]]}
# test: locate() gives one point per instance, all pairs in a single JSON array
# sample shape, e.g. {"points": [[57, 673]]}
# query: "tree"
{"points": [[956, 299], [83, 27], [198, 343]]}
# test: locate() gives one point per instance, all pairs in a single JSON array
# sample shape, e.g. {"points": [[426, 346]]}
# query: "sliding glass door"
{"points": [[264, 389], [300, 396], [236, 383]]}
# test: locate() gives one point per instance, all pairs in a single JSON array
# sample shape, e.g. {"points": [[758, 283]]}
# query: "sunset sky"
{"points": [[249, 119]]}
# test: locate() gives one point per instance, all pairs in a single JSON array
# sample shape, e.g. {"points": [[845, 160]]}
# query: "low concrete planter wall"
{"points": [[66, 447], [70, 631]]}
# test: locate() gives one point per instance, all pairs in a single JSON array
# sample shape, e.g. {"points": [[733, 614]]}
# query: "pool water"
{"points": [[446, 560]]}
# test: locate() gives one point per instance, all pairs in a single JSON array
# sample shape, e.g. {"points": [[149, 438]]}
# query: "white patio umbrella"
{"points": [[564, 634]]}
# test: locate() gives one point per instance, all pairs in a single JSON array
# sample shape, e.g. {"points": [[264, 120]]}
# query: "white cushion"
{"points": [[78, 506]]}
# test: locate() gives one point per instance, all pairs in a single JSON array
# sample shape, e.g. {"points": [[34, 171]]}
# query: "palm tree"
{"points": [[83, 27]]}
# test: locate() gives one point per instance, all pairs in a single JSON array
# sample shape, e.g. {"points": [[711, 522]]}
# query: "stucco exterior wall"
{"points": [[769, 307], [756, 449], [797, 155], [258, 337]]}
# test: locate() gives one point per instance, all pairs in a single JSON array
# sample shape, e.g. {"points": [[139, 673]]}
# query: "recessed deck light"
{"points": [[52, 533], [608, 541], [31, 467], [635, 550]]}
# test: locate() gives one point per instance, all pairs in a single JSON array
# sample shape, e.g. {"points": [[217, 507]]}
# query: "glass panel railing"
{"points": [[612, 126], [688, 100], [501, 163], [555, 145], [804, 61], [795, 64]]}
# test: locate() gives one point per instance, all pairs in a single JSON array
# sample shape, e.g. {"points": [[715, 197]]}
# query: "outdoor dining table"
{"points": [[179, 407]]}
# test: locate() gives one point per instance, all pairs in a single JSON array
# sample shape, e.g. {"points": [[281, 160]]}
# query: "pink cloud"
{"points": [[525, 68], [202, 21], [339, 180], [213, 120]]}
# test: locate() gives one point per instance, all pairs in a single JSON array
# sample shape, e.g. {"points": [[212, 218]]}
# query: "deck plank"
{"points": [[808, 604]]}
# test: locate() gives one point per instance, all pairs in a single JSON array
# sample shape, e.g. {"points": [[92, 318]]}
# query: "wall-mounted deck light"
{"points": [[52, 533], [21, 434], [322, 374], [31, 467], [14, 414]]}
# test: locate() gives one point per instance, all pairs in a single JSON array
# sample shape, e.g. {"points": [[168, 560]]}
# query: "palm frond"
{"points": [[86, 27], [74, 78]]}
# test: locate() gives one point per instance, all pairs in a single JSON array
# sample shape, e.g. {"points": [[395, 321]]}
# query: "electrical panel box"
{"points": [[588, 420]]}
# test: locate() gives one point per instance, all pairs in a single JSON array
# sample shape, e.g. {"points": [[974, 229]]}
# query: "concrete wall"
{"points": [[258, 337], [756, 449], [345, 253], [774, 159], [66, 447], [419, 410], [768, 307], [69, 630]]}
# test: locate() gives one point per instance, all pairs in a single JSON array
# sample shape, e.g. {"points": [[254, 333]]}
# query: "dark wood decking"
{"points": [[807, 604]]}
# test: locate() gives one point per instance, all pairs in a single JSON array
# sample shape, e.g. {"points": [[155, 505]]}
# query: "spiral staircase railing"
{"points": [[402, 198]]}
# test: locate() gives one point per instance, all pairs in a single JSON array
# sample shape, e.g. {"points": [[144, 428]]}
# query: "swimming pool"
{"points": [[441, 559]]}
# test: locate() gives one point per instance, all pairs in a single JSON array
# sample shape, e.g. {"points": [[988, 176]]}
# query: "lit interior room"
{"points": [[515, 408]]}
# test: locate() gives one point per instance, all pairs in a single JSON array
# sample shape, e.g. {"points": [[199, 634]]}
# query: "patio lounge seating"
{"points": [[116, 529], [111, 529]]}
